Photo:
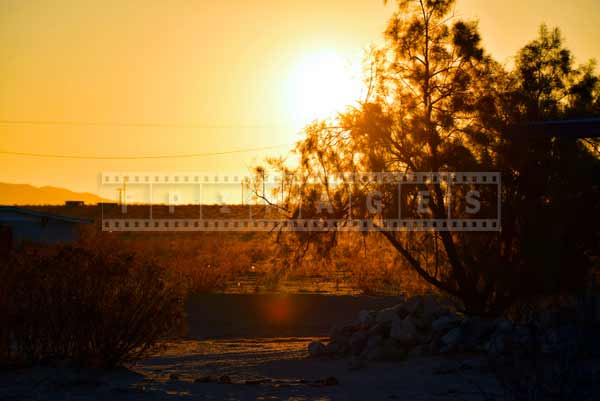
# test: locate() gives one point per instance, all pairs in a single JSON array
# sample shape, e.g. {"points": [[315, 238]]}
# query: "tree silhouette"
{"points": [[437, 102], [551, 199]]}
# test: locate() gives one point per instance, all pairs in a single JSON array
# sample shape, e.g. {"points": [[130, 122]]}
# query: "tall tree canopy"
{"points": [[437, 102]]}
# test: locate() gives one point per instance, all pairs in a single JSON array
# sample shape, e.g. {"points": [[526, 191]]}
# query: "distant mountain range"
{"points": [[23, 194]]}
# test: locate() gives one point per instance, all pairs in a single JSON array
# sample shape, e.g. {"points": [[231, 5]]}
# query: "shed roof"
{"points": [[576, 128], [35, 213]]}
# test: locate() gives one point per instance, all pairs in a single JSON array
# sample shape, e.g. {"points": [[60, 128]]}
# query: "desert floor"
{"points": [[242, 348]]}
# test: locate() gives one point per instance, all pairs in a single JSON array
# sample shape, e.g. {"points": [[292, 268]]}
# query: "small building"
{"points": [[74, 203], [19, 225]]}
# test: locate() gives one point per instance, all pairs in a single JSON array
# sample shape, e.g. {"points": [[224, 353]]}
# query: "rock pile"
{"points": [[420, 325], [427, 325], [553, 351]]}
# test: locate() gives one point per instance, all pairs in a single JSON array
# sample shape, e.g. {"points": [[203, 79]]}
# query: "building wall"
{"points": [[40, 230]]}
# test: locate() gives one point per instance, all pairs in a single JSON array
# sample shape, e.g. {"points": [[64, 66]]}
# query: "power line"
{"points": [[139, 125], [177, 156]]}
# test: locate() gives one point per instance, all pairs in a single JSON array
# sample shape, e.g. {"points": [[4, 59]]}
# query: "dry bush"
{"points": [[200, 261], [376, 268], [364, 264], [92, 309], [216, 261]]}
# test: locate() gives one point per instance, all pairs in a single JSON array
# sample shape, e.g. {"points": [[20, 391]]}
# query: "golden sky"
{"points": [[152, 77]]}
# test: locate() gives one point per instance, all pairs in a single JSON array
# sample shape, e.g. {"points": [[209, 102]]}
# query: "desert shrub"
{"points": [[549, 361], [215, 261], [201, 261], [5, 278], [88, 308], [359, 263]]}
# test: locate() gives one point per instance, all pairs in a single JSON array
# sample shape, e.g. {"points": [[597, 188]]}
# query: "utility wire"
{"points": [[177, 156], [138, 125]]}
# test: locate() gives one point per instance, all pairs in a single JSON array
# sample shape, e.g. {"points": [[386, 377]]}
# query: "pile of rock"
{"points": [[427, 325], [422, 325], [553, 351]]}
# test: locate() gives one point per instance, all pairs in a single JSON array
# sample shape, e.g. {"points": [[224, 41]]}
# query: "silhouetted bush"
{"points": [[551, 357], [86, 308]]}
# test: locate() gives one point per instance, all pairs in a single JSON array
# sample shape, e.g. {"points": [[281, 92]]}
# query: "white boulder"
{"points": [[445, 323], [316, 349], [388, 314], [404, 331]]}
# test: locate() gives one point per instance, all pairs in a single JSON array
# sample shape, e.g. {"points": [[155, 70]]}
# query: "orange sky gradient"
{"points": [[217, 75]]}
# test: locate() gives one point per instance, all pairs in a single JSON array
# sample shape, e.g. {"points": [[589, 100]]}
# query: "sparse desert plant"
{"points": [[5, 305], [215, 261], [87, 308], [358, 263], [200, 261]]}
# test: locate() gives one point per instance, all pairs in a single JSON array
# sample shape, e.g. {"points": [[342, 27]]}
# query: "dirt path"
{"points": [[279, 369], [254, 347], [257, 369]]}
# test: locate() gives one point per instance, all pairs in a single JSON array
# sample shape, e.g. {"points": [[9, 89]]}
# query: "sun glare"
{"points": [[322, 84]]}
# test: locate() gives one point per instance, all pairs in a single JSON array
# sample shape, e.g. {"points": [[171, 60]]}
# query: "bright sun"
{"points": [[322, 84]]}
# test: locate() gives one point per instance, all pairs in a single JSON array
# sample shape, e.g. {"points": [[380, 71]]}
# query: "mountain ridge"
{"points": [[26, 194]]}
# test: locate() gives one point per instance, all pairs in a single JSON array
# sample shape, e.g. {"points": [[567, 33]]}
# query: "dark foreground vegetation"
{"points": [[219, 261], [85, 308]]}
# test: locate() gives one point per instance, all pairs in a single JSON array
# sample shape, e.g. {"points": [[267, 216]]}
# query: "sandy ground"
{"points": [[258, 369], [254, 347]]}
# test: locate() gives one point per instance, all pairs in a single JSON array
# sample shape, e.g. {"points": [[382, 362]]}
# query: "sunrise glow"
{"points": [[322, 84]]}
